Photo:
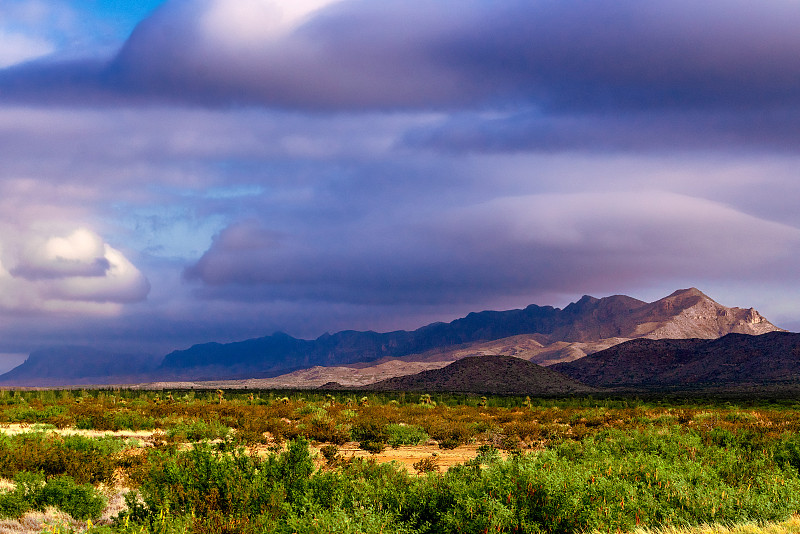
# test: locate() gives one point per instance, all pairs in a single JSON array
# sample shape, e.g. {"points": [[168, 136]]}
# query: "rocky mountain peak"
{"points": [[690, 313]]}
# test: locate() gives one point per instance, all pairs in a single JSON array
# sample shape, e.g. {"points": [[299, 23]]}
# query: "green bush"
{"points": [[405, 435], [33, 492], [27, 414], [79, 501], [198, 431], [614, 481], [84, 459], [371, 433], [215, 487], [130, 420], [13, 505]]}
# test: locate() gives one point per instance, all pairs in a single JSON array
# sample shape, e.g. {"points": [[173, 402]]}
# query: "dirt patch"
{"points": [[21, 428], [406, 456]]}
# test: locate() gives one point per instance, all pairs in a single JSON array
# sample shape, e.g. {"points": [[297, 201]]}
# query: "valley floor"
{"points": [[306, 462]]}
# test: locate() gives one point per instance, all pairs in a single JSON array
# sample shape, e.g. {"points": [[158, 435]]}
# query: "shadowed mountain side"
{"points": [[280, 353], [501, 375], [62, 366], [732, 359]]}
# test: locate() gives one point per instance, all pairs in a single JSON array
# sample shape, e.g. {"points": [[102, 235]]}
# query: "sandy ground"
{"points": [[406, 456]]}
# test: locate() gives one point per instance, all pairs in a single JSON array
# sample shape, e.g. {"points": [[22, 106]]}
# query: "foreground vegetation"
{"points": [[226, 462]]}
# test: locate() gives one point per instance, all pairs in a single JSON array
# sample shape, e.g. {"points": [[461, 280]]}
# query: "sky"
{"points": [[181, 171]]}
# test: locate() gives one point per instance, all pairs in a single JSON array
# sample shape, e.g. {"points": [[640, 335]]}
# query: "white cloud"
{"points": [[81, 253], [252, 22], [122, 282], [17, 48], [79, 273]]}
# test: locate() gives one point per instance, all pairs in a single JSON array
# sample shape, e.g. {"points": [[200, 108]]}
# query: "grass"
{"points": [[789, 526]]}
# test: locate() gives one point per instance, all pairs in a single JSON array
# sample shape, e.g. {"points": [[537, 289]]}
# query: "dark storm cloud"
{"points": [[557, 55], [527, 244], [762, 130]]}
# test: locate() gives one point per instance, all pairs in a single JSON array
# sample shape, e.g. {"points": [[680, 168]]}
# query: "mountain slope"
{"points": [[500, 375], [732, 359]]}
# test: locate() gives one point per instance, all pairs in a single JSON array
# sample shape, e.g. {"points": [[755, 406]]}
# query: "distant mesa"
{"points": [[540, 334]]}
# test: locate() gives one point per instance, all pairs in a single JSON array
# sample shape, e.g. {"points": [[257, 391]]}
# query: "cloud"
{"points": [[515, 245], [383, 164], [633, 132], [79, 254], [357, 54], [18, 48], [77, 271], [251, 23]]}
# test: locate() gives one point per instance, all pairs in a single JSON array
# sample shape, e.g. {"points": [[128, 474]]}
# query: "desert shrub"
{"points": [[613, 481], [336, 520], [326, 430], [330, 453], [371, 433], [131, 420], [32, 491], [80, 501], [198, 431], [401, 434], [487, 455], [89, 415], [427, 464], [27, 414], [216, 488], [86, 460], [13, 505], [372, 447], [11, 398], [311, 409], [450, 434], [786, 451]]}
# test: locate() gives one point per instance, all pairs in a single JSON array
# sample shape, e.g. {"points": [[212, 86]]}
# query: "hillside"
{"points": [[734, 359], [501, 375]]}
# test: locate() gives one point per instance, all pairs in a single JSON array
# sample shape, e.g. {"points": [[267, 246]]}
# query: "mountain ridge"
{"points": [[682, 314], [541, 334]]}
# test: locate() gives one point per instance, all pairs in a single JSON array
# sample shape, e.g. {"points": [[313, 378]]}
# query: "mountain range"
{"points": [[541, 334]]}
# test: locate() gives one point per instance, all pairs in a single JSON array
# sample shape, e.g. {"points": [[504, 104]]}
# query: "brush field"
{"points": [[279, 461]]}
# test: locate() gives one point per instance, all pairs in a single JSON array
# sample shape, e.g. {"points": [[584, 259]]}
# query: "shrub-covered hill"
{"points": [[500, 375], [732, 360]]}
